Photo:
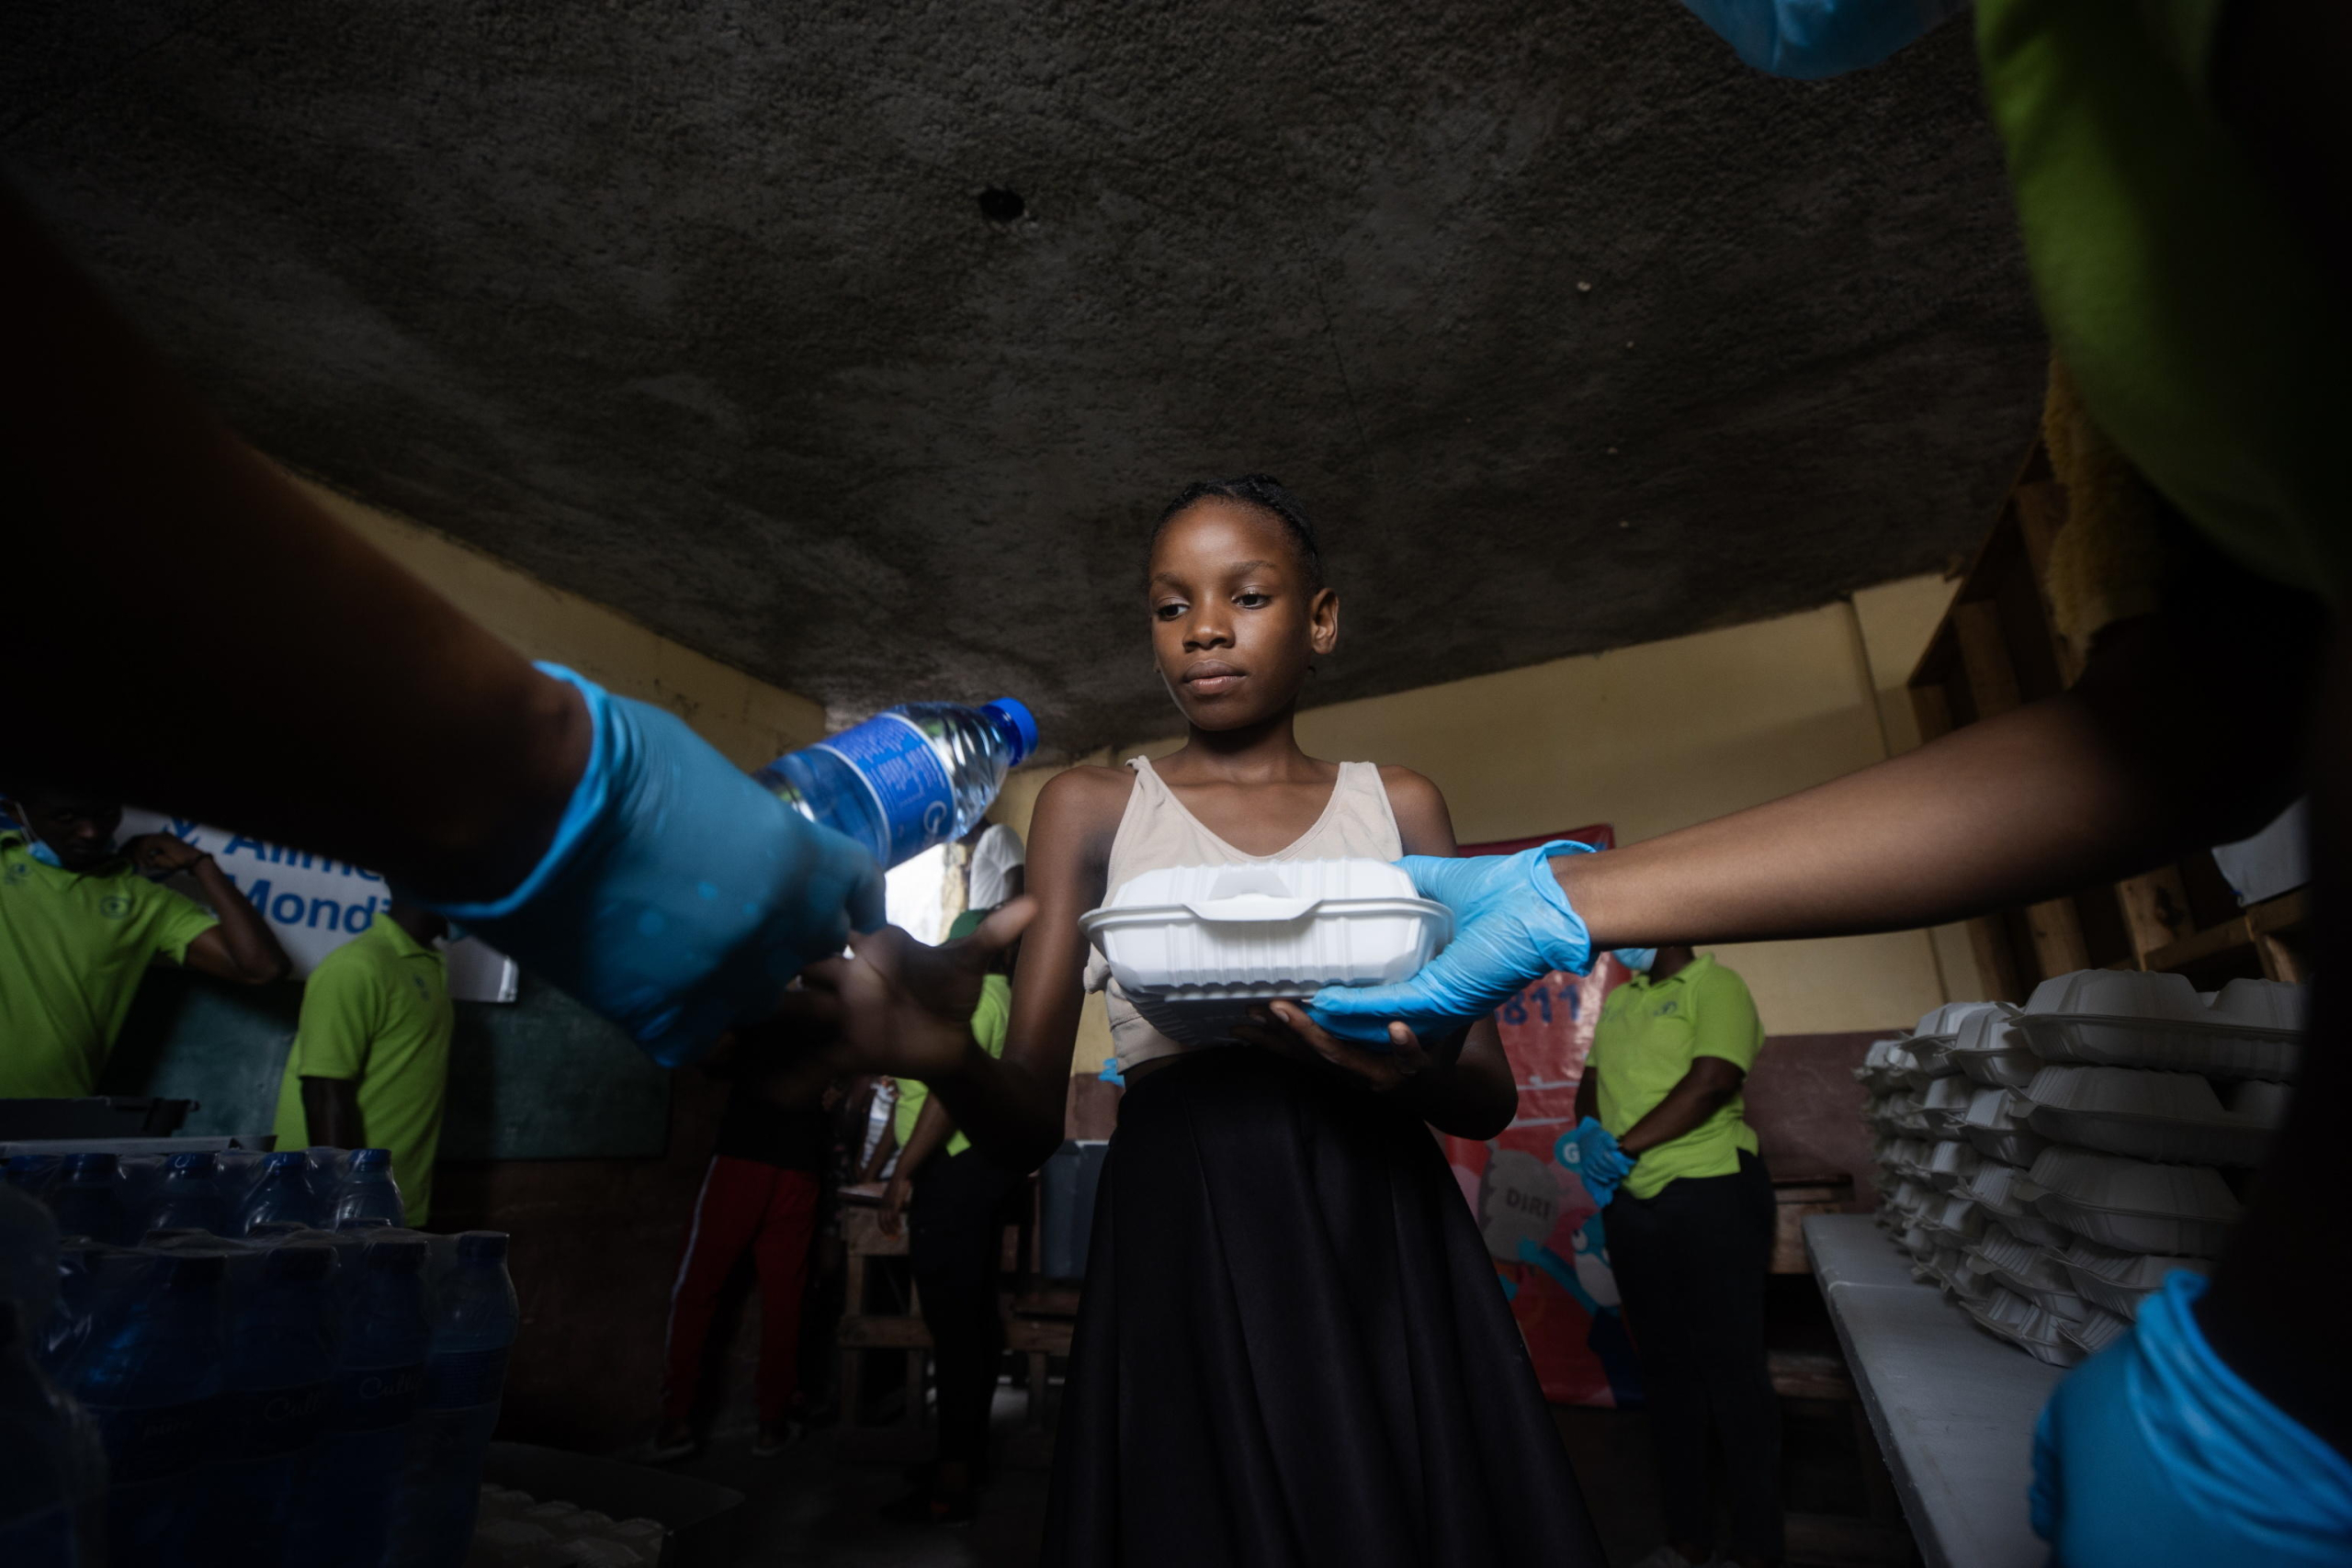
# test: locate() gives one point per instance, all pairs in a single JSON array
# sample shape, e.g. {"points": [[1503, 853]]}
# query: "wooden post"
{"points": [[2156, 910]]}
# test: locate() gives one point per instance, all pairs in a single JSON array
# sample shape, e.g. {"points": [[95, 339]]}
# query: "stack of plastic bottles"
{"points": [[257, 1363], [2047, 1165]]}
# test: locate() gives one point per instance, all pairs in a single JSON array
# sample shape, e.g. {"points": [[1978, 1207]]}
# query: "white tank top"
{"points": [[1156, 831]]}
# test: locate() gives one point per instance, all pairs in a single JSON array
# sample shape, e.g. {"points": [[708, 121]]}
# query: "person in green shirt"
{"points": [[955, 1199], [371, 1054], [80, 924], [1690, 1238]]}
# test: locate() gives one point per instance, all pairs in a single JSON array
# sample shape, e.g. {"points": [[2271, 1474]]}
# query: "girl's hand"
{"points": [[1284, 1026], [894, 1203], [905, 1009]]}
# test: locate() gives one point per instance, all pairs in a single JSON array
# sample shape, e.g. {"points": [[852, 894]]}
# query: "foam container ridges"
{"points": [[2130, 1019], [2135, 1205], [2146, 1114]]}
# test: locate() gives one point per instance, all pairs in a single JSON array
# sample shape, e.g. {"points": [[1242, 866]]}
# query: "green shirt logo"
{"points": [[115, 906], [19, 870]]}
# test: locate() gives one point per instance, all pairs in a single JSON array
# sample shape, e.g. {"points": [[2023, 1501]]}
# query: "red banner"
{"points": [[1541, 1229]]}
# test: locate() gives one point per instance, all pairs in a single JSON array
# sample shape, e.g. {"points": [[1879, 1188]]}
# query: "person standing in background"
{"points": [[1000, 871], [1689, 1235], [79, 924], [955, 1199], [370, 1063], [759, 1195]]}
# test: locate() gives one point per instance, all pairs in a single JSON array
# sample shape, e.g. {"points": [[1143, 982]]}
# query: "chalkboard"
{"points": [[541, 1078]]}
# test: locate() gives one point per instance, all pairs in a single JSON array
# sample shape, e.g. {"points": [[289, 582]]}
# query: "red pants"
{"points": [[744, 1204]]}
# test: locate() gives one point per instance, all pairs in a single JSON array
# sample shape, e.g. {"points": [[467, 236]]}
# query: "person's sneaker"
{"points": [[774, 1437]]}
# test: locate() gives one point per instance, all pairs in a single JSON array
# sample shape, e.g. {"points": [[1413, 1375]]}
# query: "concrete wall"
{"points": [[748, 720], [1659, 735]]}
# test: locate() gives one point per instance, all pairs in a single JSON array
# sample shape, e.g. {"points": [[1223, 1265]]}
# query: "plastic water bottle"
{"points": [[33, 1175], [474, 1322], [88, 1198], [280, 1384], [342, 1518], [908, 778], [189, 1197], [150, 1380], [28, 1257], [282, 1194], [52, 1476], [369, 1191]]}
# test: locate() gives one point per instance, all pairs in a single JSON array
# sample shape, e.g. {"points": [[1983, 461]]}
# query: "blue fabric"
{"points": [[1511, 924], [678, 895], [2156, 1454], [1590, 1150], [1638, 959], [1808, 39]]}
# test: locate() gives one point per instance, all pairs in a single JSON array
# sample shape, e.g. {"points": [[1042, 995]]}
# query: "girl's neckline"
{"points": [[1143, 765]]}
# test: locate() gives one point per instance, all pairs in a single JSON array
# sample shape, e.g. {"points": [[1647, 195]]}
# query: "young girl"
{"points": [[1292, 1348]]}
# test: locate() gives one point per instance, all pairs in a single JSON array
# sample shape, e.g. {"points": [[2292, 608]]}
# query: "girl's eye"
{"points": [[1168, 610], [1253, 601]]}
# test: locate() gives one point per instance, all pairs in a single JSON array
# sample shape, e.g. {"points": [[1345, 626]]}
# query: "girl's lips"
{"points": [[1209, 680]]}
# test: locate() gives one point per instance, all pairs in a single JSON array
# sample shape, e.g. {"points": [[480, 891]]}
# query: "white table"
{"points": [[1953, 1408]]}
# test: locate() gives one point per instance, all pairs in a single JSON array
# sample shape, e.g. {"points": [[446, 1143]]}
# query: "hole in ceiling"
{"points": [[999, 206]]}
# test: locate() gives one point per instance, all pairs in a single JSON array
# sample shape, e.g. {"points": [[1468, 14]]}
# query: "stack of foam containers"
{"points": [[518, 1530], [2049, 1165]]}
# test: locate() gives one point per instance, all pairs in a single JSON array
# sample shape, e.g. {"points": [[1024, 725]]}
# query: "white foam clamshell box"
{"points": [[2123, 1018], [1996, 1124], [2133, 1205], [2177, 1117], [1991, 1051], [2017, 1319], [1196, 946], [2118, 1280]]}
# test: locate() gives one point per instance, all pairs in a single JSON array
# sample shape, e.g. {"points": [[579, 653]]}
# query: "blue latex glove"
{"points": [[1511, 925], [1808, 39], [678, 897], [1638, 959], [2155, 1453], [1590, 1150]]}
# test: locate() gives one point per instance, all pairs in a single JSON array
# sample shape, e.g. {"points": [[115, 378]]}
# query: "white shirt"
{"points": [[993, 861]]}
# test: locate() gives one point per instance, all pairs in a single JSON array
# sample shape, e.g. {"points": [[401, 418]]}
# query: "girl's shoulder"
{"points": [[1418, 806], [1086, 796]]}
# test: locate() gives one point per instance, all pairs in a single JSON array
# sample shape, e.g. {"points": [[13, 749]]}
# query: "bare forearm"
{"points": [[252, 946], [1468, 1092], [331, 1107], [2101, 782], [932, 1128], [454, 757], [1684, 1108], [1011, 1114]]}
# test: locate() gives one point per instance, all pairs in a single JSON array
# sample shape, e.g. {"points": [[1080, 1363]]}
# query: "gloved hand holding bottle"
{"points": [[1513, 924], [1599, 1164], [678, 895]]}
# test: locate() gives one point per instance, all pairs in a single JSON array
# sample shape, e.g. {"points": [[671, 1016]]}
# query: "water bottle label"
{"points": [[370, 1398], [155, 1443], [464, 1378], [274, 1421], [909, 782]]}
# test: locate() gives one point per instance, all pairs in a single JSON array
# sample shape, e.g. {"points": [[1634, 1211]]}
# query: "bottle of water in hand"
{"points": [[909, 777]]}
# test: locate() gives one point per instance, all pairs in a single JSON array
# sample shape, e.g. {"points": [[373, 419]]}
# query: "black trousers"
{"points": [[955, 1239], [1691, 1264]]}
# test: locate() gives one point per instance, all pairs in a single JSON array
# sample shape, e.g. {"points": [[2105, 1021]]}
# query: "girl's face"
{"points": [[1233, 624]]}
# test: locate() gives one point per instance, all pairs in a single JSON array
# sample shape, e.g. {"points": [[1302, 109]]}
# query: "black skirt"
{"points": [[1293, 1350]]}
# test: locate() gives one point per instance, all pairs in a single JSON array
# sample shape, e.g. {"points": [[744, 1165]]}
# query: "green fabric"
{"points": [[377, 1010], [987, 1027], [2205, 337], [72, 948], [1648, 1035]]}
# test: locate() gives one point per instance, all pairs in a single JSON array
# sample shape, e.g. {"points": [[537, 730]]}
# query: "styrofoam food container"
{"points": [[2123, 1018], [1995, 1122], [1990, 1051], [2118, 1280], [1883, 1065], [2007, 1194], [1944, 1104], [1950, 1162], [1943, 1022], [2134, 1205], [2262, 1004], [1194, 947], [2034, 1273], [2096, 1332], [2017, 1319], [1929, 1059], [2151, 1115]]}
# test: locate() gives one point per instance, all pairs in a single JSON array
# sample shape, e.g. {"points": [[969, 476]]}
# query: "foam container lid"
{"points": [[2120, 993], [1943, 1022], [2131, 1186], [2132, 1270], [1990, 1049], [1233, 934], [2094, 1333], [2261, 1004], [2158, 1095]]}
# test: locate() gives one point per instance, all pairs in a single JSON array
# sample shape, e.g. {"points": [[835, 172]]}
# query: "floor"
{"points": [[815, 1507]]}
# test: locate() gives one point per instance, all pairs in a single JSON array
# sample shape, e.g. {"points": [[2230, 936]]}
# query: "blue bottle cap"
{"points": [[371, 1159], [283, 1160], [201, 1163], [1020, 722]]}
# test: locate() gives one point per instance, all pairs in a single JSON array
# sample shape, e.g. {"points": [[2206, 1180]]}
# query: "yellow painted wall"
{"points": [[1660, 736], [751, 721]]}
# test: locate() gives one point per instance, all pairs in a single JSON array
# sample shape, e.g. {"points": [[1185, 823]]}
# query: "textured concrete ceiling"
{"points": [[1574, 332]]}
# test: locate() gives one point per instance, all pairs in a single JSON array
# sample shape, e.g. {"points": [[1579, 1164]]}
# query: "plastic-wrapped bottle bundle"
{"points": [[474, 1321], [32, 1175], [280, 1384], [909, 777], [52, 1476], [150, 1378], [368, 1192], [189, 1198], [342, 1519], [88, 1198], [282, 1196]]}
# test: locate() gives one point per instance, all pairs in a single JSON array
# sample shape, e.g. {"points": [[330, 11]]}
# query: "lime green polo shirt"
{"points": [[2197, 319], [72, 947], [1649, 1033], [989, 1020], [377, 1010]]}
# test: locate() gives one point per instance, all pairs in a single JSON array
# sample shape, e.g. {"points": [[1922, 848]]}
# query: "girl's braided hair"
{"points": [[1266, 494]]}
